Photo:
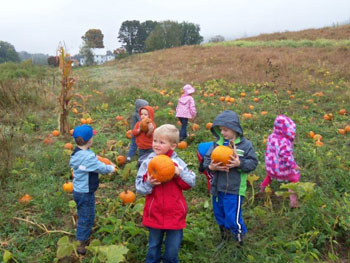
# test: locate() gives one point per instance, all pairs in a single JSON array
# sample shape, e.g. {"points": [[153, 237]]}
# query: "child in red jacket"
{"points": [[165, 208], [143, 132]]}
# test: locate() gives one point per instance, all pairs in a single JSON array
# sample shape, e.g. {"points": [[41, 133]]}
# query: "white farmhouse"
{"points": [[101, 55]]}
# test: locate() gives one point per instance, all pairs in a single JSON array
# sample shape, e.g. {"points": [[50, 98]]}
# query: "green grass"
{"points": [[318, 43]]}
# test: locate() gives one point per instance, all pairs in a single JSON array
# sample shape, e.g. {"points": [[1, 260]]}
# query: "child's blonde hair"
{"points": [[169, 131]]}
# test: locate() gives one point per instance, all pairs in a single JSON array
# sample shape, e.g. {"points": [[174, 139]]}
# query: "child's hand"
{"points": [[218, 167], [234, 162], [177, 171], [150, 128], [151, 180]]}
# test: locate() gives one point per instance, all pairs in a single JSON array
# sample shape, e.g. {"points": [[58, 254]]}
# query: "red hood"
{"points": [[150, 112]]}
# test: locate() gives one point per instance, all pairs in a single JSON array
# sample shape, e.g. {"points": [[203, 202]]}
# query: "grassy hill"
{"points": [[308, 83]]}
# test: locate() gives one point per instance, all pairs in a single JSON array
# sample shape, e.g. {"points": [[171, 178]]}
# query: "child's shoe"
{"points": [[128, 159], [81, 248]]}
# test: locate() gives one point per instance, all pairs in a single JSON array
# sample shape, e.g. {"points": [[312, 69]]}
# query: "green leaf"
{"points": [[72, 204], [206, 204], [114, 253], [64, 251], [7, 256], [63, 241]]}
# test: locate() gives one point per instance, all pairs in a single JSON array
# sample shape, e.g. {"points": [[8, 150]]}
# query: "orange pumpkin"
{"points": [[251, 107], [182, 145], [68, 146], [161, 168], [55, 133], [119, 118], [256, 99], [208, 125], [317, 137], [232, 100], [195, 127], [68, 187], [75, 111], [89, 120], [83, 121], [211, 95], [347, 128], [222, 98], [319, 143], [328, 117], [227, 98], [127, 196], [205, 95], [25, 199], [222, 154], [121, 160], [341, 131], [243, 94], [71, 132], [178, 123], [342, 112], [311, 134], [247, 115], [104, 160], [292, 97], [144, 124], [128, 134], [48, 141], [256, 92], [263, 113]]}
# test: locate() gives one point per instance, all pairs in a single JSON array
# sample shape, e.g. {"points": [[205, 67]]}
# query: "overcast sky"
{"points": [[37, 26]]}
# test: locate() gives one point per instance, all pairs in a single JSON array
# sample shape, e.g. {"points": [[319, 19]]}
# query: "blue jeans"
{"points": [[172, 245], [86, 214], [143, 153], [183, 130], [228, 213], [132, 148]]}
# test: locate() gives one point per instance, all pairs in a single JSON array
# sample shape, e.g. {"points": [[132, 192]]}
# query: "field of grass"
{"points": [[303, 83]]}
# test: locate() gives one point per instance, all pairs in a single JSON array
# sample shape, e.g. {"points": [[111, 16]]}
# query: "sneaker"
{"points": [[128, 159], [81, 248]]}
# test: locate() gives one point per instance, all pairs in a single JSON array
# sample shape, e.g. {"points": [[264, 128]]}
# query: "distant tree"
{"points": [[128, 35], [120, 53], [8, 52], [217, 39], [53, 61], [93, 38], [142, 34], [190, 34], [87, 54], [167, 34]]}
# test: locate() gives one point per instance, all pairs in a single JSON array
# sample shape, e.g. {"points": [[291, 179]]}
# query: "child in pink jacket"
{"points": [[279, 160], [186, 109]]}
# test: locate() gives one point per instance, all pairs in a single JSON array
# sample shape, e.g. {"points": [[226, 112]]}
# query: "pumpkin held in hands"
{"points": [[144, 124], [222, 154], [161, 168]]}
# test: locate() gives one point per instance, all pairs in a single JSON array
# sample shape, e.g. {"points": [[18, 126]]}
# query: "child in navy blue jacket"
{"points": [[86, 168]]}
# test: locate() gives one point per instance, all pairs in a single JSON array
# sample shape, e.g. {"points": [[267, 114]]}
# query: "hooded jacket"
{"points": [[135, 116], [279, 159], [86, 168], [165, 206], [143, 140], [235, 181], [186, 107]]}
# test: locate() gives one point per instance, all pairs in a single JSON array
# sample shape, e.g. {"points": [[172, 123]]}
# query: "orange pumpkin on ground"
{"points": [[222, 98], [256, 99], [68, 146], [263, 113], [342, 131], [347, 128], [48, 141], [182, 145], [222, 154], [342, 112], [328, 117], [55, 133], [127, 196], [251, 107], [208, 125], [161, 168], [128, 134], [119, 118], [195, 127], [121, 160], [68, 187], [83, 121], [243, 94], [75, 111], [319, 143], [144, 124], [25, 199], [247, 115], [311, 134], [317, 137], [104, 160], [71, 132]]}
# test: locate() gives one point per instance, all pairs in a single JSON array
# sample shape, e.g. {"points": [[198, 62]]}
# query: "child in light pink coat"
{"points": [[279, 159], [186, 109]]}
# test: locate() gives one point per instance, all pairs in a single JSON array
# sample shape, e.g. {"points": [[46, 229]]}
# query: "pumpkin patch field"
{"points": [[38, 214]]}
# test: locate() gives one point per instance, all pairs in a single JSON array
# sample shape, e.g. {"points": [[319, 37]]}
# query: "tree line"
{"points": [[137, 37]]}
